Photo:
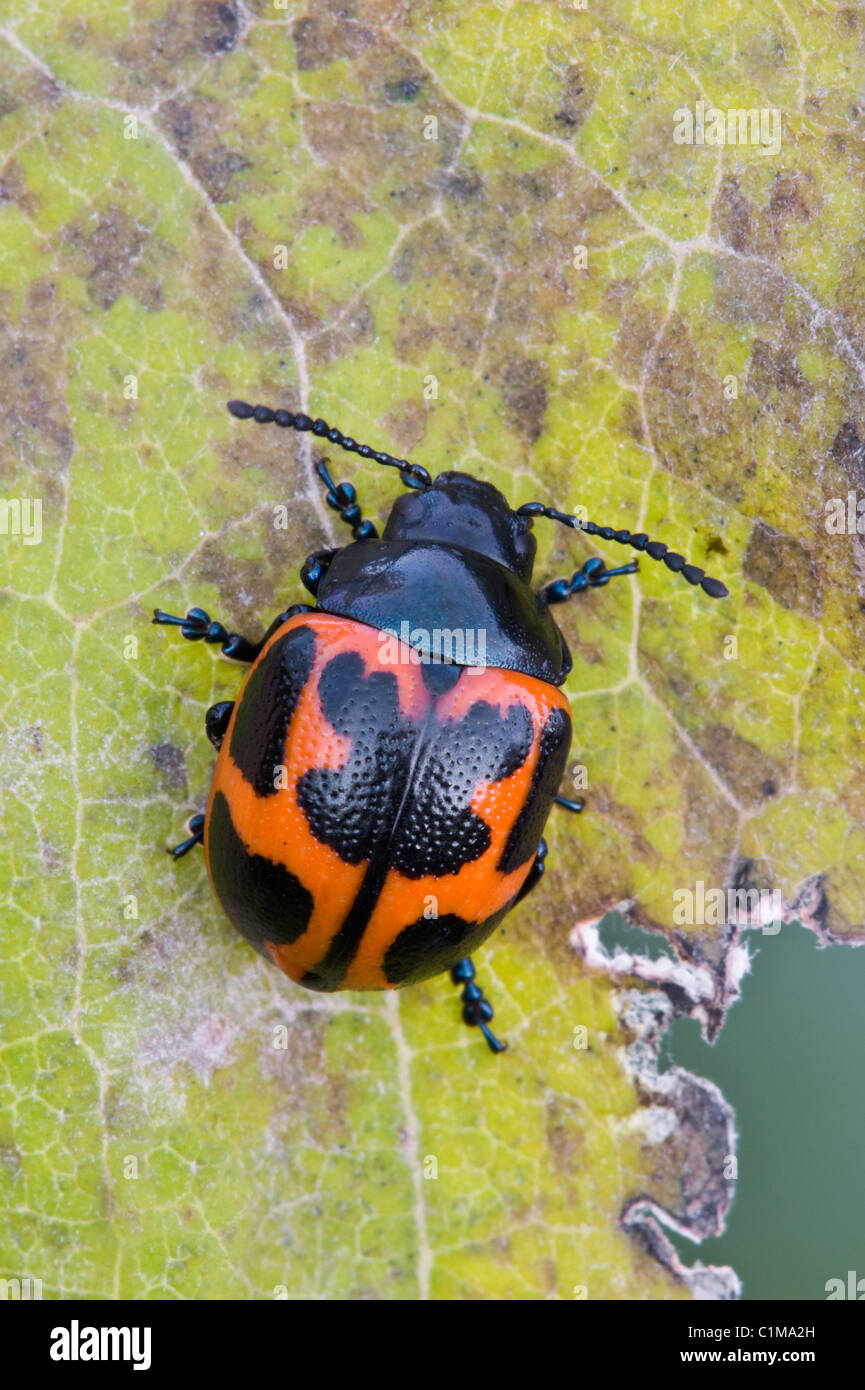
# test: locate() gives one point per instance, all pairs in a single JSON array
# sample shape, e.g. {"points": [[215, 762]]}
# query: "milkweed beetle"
{"points": [[380, 795]]}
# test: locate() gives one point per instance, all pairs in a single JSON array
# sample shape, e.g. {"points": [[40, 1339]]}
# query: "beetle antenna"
{"points": [[411, 474], [639, 540]]}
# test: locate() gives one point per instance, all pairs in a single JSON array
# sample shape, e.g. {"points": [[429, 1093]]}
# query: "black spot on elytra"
{"points": [[405, 789], [525, 836], [353, 807], [268, 705], [430, 945], [438, 831], [264, 900]]}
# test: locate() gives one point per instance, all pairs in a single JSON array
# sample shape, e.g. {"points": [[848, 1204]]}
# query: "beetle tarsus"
{"points": [[342, 498], [314, 568], [477, 1010], [195, 826], [592, 575]]}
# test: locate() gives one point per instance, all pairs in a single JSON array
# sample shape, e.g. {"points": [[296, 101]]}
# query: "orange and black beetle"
{"points": [[384, 778]]}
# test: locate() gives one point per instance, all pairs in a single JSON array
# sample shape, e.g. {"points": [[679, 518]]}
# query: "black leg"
{"points": [[314, 568], [535, 874], [216, 721], [195, 826], [656, 550], [477, 1011], [567, 664], [342, 498], [197, 626], [277, 623], [593, 575], [570, 805]]}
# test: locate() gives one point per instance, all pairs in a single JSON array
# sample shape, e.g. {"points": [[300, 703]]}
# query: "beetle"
{"points": [[380, 794]]}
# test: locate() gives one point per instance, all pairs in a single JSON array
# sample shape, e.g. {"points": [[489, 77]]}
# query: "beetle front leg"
{"points": [[593, 575], [314, 568]]}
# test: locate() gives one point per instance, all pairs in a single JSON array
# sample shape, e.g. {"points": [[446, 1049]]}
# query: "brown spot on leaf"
{"points": [[406, 423], [523, 384], [154, 50], [794, 198], [566, 1145], [355, 326], [574, 101], [848, 450], [35, 415], [114, 247], [463, 184], [218, 25], [785, 567], [745, 293], [336, 208], [734, 215], [13, 187], [170, 761], [192, 122], [742, 766], [775, 368], [406, 85], [322, 39]]}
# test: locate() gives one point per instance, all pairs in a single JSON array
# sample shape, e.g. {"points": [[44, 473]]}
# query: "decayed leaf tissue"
{"points": [[604, 258]]}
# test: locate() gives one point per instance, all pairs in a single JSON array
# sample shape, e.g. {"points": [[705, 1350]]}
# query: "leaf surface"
{"points": [[376, 217]]}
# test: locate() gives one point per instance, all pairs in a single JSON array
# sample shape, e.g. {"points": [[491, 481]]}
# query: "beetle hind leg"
{"points": [[477, 1010]]}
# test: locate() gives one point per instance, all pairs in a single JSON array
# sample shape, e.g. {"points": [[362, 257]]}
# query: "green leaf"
{"points": [[375, 217]]}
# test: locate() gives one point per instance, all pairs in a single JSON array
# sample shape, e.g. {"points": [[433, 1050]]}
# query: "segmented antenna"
{"points": [[412, 474], [640, 541], [415, 476]]}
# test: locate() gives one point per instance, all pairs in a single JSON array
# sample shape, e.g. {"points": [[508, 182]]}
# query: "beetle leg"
{"points": [[216, 721], [477, 1011], [535, 874], [277, 623], [197, 626], [567, 664], [314, 568], [342, 498], [195, 826], [592, 575], [570, 805], [656, 550]]}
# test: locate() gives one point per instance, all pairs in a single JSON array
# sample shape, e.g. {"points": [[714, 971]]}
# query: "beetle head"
{"points": [[458, 509]]}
